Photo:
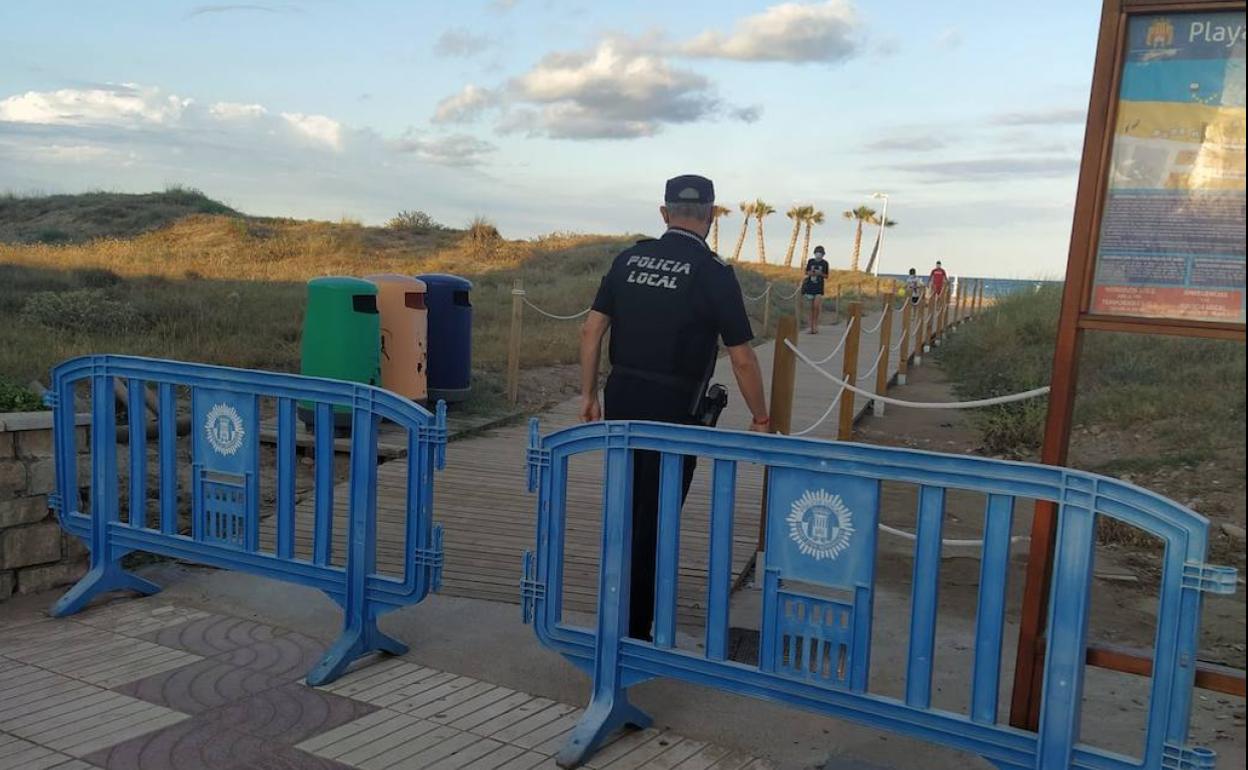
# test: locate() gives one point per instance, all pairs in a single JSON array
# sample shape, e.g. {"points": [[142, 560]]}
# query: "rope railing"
{"points": [[524, 298], [826, 414], [878, 357], [839, 345], [748, 298], [875, 328], [952, 542], [790, 295], [917, 404]]}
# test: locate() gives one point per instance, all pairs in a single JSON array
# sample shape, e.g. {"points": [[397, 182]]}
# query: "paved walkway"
{"points": [[146, 684]]}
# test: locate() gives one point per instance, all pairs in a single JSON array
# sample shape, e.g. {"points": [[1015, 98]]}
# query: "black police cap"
{"points": [[689, 188]]}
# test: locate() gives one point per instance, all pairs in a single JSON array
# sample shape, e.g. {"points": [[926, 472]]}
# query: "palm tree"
{"points": [[716, 213], [863, 215], [874, 253], [798, 215], [814, 217], [761, 210], [747, 210]]}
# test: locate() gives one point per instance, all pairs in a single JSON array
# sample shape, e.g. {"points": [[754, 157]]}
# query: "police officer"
{"points": [[667, 303]]}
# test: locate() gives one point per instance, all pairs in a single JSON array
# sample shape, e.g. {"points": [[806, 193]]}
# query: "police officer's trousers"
{"points": [[631, 398], [645, 537]]}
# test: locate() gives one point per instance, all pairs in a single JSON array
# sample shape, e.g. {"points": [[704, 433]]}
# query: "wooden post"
{"points": [[925, 330], [886, 350], [766, 308], [783, 378], [836, 310], [513, 342], [849, 372], [980, 300], [903, 352], [797, 307]]}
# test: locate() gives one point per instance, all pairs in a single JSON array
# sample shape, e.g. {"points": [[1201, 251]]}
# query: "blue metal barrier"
{"points": [[823, 503], [225, 487]]}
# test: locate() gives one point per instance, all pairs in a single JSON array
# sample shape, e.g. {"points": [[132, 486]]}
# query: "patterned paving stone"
{"points": [[70, 716], [18, 754], [289, 656], [290, 759], [195, 744], [201, 686], [289, 713], [213, 635], [90, 654], [137, 617]]}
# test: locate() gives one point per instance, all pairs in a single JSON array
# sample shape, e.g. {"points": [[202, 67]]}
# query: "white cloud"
{"points": [[950, 40], [78, 153], [1051, 116], [316, 128], [617, 90], [458, 42], [789, 32], [465, 106], [123, 105], [236, 111], [451, 150]]}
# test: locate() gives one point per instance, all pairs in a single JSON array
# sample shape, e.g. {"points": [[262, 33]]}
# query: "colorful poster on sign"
{"points": [[1172, 229]]}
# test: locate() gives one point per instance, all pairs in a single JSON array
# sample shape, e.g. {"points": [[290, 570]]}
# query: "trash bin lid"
{"points": [[409, 283], [446, 281], [342, 283]]}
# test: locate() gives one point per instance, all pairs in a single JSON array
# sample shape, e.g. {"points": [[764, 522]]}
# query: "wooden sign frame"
{"points": [[1074, 320]]}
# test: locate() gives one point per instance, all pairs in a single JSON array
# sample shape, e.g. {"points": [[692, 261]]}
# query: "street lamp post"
{"points": [[879, 255]]}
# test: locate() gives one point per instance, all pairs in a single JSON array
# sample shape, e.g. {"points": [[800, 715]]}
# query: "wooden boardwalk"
{"points": [[489, 518]]}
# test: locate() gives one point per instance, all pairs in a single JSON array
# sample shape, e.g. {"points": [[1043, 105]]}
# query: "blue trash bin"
{"points": [[450, 336]]}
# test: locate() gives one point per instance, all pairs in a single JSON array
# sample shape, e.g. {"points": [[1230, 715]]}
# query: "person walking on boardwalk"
{"points": [[914, 287], [937, 279], [667, 302], [812, 286]]}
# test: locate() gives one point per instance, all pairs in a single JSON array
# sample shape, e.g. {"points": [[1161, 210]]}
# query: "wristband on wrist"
{"points": [[763, 421]]}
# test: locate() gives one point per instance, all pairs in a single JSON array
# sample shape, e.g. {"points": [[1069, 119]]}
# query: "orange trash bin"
{"points": [[404, 334]]}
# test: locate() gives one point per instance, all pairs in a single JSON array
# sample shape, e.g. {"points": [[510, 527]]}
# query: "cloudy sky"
{"points": [[568, 114]]}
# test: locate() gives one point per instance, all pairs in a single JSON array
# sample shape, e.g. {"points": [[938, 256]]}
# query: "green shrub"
{"points": [[416, 221], [96, 277], [52, 235], [15, 398], [81, 310], [1189, 392]]}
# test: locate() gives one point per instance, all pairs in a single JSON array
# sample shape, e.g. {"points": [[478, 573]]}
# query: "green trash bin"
{"points": [[341, 336]]}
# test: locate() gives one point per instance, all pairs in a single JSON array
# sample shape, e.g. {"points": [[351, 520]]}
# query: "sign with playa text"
{"points": [[1171, 243]]}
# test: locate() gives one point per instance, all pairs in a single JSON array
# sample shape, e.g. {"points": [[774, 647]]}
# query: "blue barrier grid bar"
{"points": [[224, 486], [1082, 497]]}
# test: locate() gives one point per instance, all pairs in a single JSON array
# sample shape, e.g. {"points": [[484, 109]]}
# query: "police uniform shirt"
{"points": [[669, 301]]}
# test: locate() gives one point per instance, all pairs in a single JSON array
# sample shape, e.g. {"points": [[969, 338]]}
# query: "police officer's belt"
{"points": [[685, 383]]}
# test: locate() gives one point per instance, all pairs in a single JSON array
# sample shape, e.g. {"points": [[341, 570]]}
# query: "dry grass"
{"points": [[229, 289], [76, 218]]}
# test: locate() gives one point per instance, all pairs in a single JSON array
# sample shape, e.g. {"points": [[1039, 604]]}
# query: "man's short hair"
{"points": [[700, 212]]}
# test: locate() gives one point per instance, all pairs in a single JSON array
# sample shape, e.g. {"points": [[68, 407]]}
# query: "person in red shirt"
{"points": [[937, 279]]}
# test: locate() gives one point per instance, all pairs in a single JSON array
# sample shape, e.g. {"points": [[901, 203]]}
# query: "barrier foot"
{"points": [[602, 718], [101, 579], [355, 643]]}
